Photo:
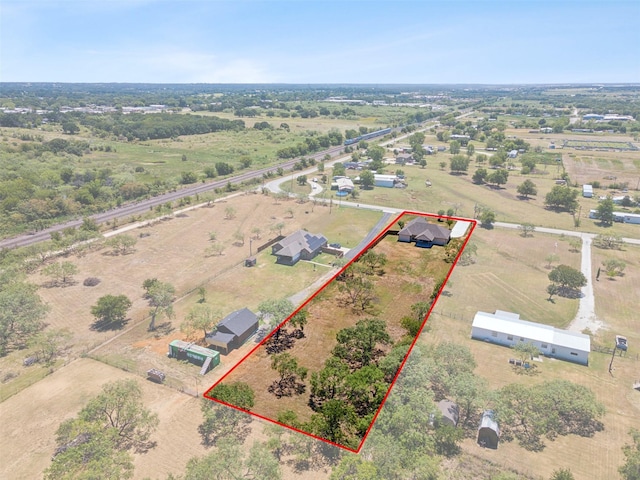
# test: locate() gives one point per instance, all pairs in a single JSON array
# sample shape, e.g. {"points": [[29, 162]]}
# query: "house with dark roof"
{"points": [[300, 245], [423, 233], [232, 331]]}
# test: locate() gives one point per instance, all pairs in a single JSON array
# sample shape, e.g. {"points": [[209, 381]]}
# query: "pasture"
{"points": [[409, 277], [173, 250], [510, 275]]}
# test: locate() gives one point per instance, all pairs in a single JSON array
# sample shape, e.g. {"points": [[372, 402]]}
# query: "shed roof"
{"points": [[239, 321], [192, 347], [510, 323]]}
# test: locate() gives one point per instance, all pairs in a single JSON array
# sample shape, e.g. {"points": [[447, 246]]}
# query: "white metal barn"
{"points": [[506, 328]]}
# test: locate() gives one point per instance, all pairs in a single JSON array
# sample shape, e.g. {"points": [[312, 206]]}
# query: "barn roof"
{"points": [[239, 321], [511, 324]]}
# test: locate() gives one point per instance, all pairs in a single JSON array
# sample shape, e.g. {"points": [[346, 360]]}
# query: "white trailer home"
{"points": [[506, 329]]}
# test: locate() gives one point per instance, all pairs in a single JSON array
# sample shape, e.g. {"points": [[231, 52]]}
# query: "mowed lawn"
{"points": [[510, 274], [410, 276]]}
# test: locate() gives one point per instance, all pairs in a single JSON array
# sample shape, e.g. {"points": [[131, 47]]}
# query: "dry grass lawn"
{"points": [[510, 274], [410, 275]]}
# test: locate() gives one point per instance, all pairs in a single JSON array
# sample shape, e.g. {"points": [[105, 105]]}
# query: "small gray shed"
{"points": [[488, 431]]}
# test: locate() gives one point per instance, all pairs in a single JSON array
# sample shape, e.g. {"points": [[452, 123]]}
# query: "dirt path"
{"points": [[586, 316]]}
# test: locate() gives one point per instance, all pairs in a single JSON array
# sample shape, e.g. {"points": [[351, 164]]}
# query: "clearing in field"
{"points": [[327, 369]]}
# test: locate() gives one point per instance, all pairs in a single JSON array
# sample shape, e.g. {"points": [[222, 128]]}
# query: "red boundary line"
{"points": [[473, 223]]}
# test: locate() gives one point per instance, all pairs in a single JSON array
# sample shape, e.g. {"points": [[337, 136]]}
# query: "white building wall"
{"points": [[547, 349]]}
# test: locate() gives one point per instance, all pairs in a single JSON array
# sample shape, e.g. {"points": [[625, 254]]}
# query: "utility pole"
{"points": [[612, 355]]}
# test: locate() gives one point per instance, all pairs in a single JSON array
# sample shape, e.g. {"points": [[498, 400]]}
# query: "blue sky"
{"points": [[309, 41]]}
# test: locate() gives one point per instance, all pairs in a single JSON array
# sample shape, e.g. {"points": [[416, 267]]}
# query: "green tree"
{"points": [[567, 277], [48, 344], [110, 311], [201, 318], [631, 468], [366, 179], [86, 450], [609, 241], [358, 345], [487, 217], [275, 311], [60, 272], [239, 394], [287, 367], [376, 153], [498, 177], [96, 443], [161, 296], [454, 147], [470, 150], [527, 228], [613, 267], [121, 244], [527, 188], [299, 320], [21, 312], [604, 211], [459, 163], [479, 176], [221, 422], [562, 197], [358, 290], [562, 474], [526, 350], [119, 407], [354, 467], [551, 258]]}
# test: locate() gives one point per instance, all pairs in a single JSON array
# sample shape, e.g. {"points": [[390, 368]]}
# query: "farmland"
{"points": [[508, 272]]}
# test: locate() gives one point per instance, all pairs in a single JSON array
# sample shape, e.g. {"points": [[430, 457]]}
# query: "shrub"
{"points": [[91, 281]]}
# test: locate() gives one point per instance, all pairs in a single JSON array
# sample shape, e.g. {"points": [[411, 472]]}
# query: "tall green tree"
{"points": [[21, 313], [366, 179], [60, 272], [110, 311], [161, 296], [631, 468], [527, 188], [358, 345], [567, 277], [604, 211], [201, 318]]}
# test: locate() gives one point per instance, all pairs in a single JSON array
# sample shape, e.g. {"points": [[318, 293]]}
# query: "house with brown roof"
{"points": [[300, 245], [423, 233]]}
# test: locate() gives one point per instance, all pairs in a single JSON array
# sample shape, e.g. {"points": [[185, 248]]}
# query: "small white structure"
{"points": [[512, 154], [344, 185], [388, 181], [587, 191], [506, 328]]}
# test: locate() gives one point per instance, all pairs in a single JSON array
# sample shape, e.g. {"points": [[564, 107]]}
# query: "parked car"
{"points": [[335, 245]]}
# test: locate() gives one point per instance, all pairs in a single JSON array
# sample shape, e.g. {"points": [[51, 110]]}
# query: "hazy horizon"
{"points": [[518, 42]]}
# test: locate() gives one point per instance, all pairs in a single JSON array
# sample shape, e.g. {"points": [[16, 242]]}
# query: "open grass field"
{"points": [[174, 252], [409, 277], [509, 275], [31, 418]]}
